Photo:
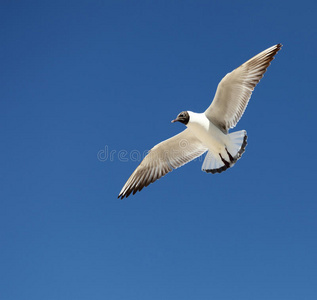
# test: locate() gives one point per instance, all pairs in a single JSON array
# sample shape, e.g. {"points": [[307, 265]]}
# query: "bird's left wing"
{"points": [[162, 159], [235, 89]]}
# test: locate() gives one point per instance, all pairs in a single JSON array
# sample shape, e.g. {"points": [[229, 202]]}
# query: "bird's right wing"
{"points": [[235, 89], [162, 159]]}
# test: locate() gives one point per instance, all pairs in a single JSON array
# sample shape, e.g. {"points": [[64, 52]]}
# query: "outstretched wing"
{"points": [[162, 159], [235, 89]]}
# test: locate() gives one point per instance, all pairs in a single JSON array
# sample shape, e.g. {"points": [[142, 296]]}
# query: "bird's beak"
{"points": [[173, 121]]}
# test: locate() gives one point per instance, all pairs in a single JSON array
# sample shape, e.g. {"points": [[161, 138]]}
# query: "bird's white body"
{"points": [[209, 134]]}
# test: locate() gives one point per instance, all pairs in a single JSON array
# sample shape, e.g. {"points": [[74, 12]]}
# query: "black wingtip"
{"points": [[278, 47], [121, 196]]}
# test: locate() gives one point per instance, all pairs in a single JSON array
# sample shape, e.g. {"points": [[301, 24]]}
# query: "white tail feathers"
{"points": [[238, 142], [212, 164], [233, 150]]}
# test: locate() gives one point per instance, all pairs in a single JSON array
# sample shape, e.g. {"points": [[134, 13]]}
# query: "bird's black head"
{"points": [[183, 117]]}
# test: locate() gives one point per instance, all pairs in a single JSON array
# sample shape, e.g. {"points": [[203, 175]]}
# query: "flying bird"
{"points": [[207, 131]]}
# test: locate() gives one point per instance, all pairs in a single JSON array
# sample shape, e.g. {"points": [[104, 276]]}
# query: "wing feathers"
{"points": [[235, 89], [162, 159]]}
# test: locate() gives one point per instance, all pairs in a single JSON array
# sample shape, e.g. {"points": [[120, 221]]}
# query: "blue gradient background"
{"points": [[79, 77]]}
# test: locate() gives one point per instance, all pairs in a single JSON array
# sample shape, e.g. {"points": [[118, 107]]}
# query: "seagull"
{"points": [[207, 131]]}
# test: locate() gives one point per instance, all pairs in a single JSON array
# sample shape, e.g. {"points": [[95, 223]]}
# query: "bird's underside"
{"points": [[230, 101]]}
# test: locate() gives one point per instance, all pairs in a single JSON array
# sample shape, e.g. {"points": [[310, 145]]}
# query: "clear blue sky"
{"points": [[79, 77]]}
